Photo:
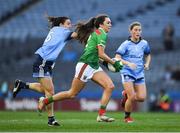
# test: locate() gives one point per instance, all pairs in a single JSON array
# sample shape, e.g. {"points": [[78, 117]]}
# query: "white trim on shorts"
{"points": [[128, 78], [84, 72], [41, 69]]}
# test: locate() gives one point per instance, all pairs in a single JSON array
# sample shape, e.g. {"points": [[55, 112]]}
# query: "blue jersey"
{"points": [[54, 43], [134, 52]]}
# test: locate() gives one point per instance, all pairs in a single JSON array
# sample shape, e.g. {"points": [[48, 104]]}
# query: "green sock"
{"points": [[48, 100], [103, 107]]}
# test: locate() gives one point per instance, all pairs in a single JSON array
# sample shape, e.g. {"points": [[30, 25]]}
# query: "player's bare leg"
{"points": [[36, 87], [140, 92], [106, 83], [19, 84], [129, 89], [47, 85], [76, 87], [124, 99]]}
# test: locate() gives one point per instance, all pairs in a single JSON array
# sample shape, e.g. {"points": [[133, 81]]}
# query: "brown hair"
{"points": [[84, 29], [56, 21], [131, 26]]}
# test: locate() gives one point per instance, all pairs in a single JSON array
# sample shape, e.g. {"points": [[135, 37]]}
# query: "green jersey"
{"points": [[90, 53]]}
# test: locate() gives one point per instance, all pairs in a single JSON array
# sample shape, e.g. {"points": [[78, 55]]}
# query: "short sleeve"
{"points": [[101, 38], [122, 49], [147, 49]]}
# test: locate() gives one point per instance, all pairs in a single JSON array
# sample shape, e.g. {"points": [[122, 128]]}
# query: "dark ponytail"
{"points": [[84, 29], [56, 21]]}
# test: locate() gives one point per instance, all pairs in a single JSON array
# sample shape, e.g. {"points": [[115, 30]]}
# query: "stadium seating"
{"points": [[24, 33], [32, 21], [8, 6]]}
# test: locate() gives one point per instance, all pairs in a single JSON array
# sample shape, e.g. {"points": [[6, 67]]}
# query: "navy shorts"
{"points": [[42, 68], [128, 78]]}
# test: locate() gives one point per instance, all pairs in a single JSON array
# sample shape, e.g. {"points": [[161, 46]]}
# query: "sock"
{"points": [[24, 85], [27, 85], [127, 114], [51, 118], [102, 110], [48, 100]]}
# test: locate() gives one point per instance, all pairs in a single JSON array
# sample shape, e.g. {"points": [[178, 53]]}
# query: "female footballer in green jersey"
{"points": [[94, 35]]}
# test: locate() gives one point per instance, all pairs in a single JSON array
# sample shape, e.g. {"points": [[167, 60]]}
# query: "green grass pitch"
{"points": [[86, 122]]}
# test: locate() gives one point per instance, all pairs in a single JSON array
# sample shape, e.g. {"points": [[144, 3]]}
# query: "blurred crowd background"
{"points": [[23, 28]]}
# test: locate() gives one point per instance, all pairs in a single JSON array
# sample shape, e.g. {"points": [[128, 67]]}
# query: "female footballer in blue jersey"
{"points": [[45, 59], [132, 52]]}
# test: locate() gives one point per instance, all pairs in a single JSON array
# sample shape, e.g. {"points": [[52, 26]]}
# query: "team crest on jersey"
{"points": [[98, 32], [47, 73], [126, 77]]}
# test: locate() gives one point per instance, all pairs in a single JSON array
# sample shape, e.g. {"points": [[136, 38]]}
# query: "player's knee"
{"points": [[72, 96], [48, 94], [110, 87], [141, 98], [50, 91], [131, 98]]}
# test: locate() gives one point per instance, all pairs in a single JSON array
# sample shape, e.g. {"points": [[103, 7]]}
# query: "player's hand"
{"points": [[118, 66], [146, 66], [132, 65]]}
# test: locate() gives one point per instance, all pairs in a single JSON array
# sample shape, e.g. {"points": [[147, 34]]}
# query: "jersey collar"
{"points": [[129, 39], [103, 30]]}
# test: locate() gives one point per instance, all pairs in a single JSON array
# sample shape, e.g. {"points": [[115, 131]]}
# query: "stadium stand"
{"points": [[8, 6], [24, 32]]}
